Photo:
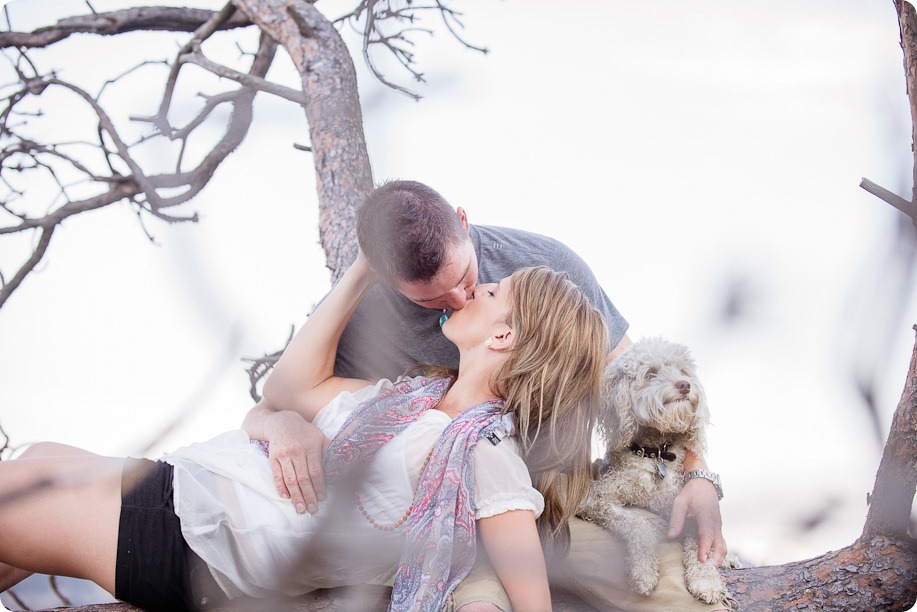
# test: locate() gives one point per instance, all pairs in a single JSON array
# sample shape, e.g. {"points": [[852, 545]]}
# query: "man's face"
{"points": [[451, 287]]}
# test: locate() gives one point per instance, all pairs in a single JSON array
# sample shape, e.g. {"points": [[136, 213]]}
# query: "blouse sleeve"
{"points": [[502, 481]]}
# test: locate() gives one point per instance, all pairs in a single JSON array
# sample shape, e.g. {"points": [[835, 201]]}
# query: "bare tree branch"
{"points": [[200, 34], [148, 18], [198, 58]]}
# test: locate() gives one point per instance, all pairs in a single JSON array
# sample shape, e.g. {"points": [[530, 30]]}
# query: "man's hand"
{"points": [[698, 500], [296, 449], [296, 452]]}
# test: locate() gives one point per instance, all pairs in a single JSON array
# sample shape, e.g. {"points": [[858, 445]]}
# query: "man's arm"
{"points": [[699, 500], [622, 346]]}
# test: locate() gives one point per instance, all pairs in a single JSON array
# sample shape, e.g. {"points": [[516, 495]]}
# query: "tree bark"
{"points": [[332, 105]]}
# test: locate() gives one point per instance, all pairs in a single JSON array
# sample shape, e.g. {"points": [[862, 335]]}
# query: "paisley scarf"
{"points": [[440, 542]]}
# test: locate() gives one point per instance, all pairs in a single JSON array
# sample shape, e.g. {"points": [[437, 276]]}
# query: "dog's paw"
{"points": [[731, 562], [705, 583], [644, 575]]}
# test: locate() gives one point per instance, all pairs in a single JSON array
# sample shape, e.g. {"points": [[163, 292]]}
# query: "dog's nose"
{"points": [[683, 386]]}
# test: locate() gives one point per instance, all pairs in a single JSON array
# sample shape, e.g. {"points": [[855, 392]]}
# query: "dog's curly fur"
{"points": [[651, 397]]}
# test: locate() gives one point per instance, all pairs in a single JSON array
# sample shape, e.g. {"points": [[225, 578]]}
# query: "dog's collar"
{"points": [[653, 451]]}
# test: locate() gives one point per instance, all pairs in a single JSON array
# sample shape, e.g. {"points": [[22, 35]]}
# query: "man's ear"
{"points": [[463, 218], [502, 338]]}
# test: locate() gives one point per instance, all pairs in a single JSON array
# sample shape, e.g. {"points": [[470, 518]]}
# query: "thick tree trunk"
{"points": [[877, 573], [332, 104]]}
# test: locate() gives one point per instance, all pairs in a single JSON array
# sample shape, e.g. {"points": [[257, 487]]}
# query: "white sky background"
{"points": [[688, 151]]}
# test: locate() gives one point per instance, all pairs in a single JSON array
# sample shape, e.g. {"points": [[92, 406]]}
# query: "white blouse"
{"points": [[254, 541]]}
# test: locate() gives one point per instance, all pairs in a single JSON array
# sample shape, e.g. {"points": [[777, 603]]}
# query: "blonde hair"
{"points": [[550, 381]]}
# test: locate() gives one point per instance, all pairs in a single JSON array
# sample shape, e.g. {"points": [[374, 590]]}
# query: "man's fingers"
{"points": [[316, 473], [277, 471], [719, 552], [704, 542], [293, 485], [300, 481], [677, 520]]}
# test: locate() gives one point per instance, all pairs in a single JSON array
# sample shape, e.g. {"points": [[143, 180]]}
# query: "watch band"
{"points": [[707, 475]]}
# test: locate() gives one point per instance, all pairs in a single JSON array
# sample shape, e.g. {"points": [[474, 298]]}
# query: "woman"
{"points": [[532, 350]]}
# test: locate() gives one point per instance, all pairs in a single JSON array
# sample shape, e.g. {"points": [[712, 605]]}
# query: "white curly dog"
{"points": [[654, 409]]}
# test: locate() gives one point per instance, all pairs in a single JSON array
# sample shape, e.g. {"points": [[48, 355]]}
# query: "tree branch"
{"points": [[893, 493], [157, 18], [197, 58], [887, 196]]}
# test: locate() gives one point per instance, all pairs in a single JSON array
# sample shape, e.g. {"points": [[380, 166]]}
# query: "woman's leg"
{"points": [[9, 575], [59, 512]]}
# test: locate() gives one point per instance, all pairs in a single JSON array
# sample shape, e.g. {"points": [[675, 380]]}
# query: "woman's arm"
{"points": [[303, 379], [512, 543], [302, 383]]}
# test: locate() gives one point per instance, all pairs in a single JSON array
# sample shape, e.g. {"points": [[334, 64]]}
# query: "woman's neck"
{"points": [[470, 388]]}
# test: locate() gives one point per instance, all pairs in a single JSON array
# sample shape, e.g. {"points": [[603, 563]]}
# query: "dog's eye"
{"points": [[651, 374]]}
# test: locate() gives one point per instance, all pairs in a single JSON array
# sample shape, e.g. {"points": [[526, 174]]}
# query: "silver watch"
{"points": [[708, 475]]}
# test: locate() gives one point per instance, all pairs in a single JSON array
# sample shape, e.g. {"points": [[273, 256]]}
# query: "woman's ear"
{"points": [[501, 338]]}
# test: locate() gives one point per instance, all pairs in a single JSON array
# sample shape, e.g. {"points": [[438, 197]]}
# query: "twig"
{"points": [[15, 597], [889, 197], [200, 34], [29, 265], [57, 591], [262, 365], [197, 58]]}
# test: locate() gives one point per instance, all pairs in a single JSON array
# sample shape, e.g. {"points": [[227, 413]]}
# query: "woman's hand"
{"points": [[296, 450]]}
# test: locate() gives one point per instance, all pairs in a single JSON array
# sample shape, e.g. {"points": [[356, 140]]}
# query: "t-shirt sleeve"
{"points": [[502, 251], [502, 482]]}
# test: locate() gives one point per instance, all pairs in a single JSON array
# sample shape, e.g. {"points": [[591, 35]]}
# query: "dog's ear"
{"points": [[616, 417]]}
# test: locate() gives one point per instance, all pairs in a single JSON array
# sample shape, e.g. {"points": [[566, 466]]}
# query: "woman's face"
{"points": [[483, 315]]}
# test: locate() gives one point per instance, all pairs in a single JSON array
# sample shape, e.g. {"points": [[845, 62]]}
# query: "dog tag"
{"points": [[660, 470]]}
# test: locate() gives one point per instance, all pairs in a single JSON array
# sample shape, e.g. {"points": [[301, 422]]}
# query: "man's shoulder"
{"points": [[496, 235], [503, 250], [512, 245]]}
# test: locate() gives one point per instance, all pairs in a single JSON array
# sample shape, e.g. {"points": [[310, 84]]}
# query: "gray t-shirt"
{"points": [[388, 333]]}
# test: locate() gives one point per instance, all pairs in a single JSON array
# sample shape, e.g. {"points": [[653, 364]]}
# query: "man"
{"points": [[431, 258]]}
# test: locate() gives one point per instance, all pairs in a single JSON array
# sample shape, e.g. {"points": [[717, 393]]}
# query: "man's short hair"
{"points": [[407, 230]]}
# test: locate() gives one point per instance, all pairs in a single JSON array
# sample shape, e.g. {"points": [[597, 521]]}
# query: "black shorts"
{"points": [[155, 569]]}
